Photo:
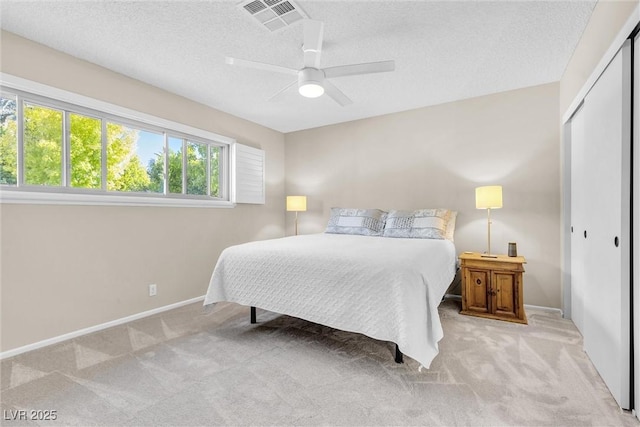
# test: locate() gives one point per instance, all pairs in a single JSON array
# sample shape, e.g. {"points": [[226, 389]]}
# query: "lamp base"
{"points": [[488, 256]]}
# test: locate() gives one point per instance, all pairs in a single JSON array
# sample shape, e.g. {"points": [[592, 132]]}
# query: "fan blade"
{"points": [[312, 46], [279, 94], [357, 69], [260, 66], [336, 94]]}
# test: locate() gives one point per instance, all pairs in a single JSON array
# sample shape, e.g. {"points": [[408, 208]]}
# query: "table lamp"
{"points": [[296, 204], [489, 197]]}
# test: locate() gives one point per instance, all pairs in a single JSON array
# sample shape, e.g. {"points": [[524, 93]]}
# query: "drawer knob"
{"points": [[478, 282]]}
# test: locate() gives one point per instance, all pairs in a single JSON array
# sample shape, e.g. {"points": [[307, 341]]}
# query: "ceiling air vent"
{"points": [[274, 14]]}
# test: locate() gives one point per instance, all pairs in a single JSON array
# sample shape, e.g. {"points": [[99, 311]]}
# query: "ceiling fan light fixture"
{"points": [[310, 82], [311, 89]]}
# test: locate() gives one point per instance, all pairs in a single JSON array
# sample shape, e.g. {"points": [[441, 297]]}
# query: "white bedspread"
{"points": [[386, 288]]}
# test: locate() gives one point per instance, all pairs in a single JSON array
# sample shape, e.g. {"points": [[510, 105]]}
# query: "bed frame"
{"points": [[398, 357]]}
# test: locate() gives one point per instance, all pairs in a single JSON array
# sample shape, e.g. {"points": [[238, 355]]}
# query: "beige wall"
{"points": [[64, 268], [435, 157]]}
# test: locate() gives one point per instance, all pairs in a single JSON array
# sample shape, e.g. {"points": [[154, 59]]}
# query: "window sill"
{"points": [[49, 198]]}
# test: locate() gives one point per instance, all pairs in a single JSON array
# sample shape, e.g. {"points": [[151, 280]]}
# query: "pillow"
{"points": [[366, 222], [451, 226], [421, 224]]}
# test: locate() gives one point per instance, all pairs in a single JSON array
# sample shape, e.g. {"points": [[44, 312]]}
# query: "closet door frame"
{"points": [[632, 24], [635, 220]]}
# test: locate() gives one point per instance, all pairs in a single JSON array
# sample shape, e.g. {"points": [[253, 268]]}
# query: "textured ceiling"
{"points": [[444, 51]]}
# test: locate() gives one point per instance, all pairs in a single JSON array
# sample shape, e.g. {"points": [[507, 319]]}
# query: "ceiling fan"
{"points": [[312, 80]]}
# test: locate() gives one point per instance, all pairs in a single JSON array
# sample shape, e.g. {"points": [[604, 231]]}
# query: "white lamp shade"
{"points": [[489, 197], [296, 203]]}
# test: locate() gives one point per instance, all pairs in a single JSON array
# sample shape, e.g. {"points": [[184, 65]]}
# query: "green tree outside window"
{"points": [[43, 136]]}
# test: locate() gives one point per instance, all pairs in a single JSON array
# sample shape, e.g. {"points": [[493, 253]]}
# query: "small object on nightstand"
{"points": [[513, 251], [492, 287]]}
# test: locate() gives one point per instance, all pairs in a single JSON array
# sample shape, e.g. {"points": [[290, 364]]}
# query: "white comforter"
{"points": [[386, 288]]}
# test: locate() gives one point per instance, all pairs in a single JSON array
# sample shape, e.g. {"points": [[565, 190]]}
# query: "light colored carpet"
{"points": [[194, 367]]}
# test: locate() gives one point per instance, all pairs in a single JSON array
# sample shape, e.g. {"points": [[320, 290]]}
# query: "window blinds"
{"points": [[249, 174]]}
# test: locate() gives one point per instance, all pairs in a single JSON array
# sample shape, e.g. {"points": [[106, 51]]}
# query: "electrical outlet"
{"points": [[153, 290]]}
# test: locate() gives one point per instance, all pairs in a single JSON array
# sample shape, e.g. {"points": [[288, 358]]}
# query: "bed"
{"points": [[387, 288]]}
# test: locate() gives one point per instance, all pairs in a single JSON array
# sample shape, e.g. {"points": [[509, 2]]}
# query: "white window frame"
{"points": [[107, 111]]}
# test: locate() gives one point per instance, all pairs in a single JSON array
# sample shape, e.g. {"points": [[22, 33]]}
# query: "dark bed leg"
{"points": [[399, 358], [253, 314]]}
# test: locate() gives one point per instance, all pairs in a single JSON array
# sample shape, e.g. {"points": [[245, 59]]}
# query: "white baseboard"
{"points": [[537, 307], [96, 328], [541, 307]]}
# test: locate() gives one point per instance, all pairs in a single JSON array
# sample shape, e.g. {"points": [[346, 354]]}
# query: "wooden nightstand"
{"points": [[492, 287]]}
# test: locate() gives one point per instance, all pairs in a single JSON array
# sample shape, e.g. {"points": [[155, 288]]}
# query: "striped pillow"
{"points": [[366, 222], [421, 224]]}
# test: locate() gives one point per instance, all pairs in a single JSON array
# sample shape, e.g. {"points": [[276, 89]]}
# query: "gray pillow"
{"points": [[421, 224], [366, 222]]}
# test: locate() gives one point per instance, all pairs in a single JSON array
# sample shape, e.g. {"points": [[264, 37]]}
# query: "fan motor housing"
{"points": [[310, 75]]}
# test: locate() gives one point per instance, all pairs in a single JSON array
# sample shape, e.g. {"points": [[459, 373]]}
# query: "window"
{"points": [[42, 145], [85, 143], [196, 168], [51, 145], [135, 160], [214, 171], [174, 163], [8, 141]]}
